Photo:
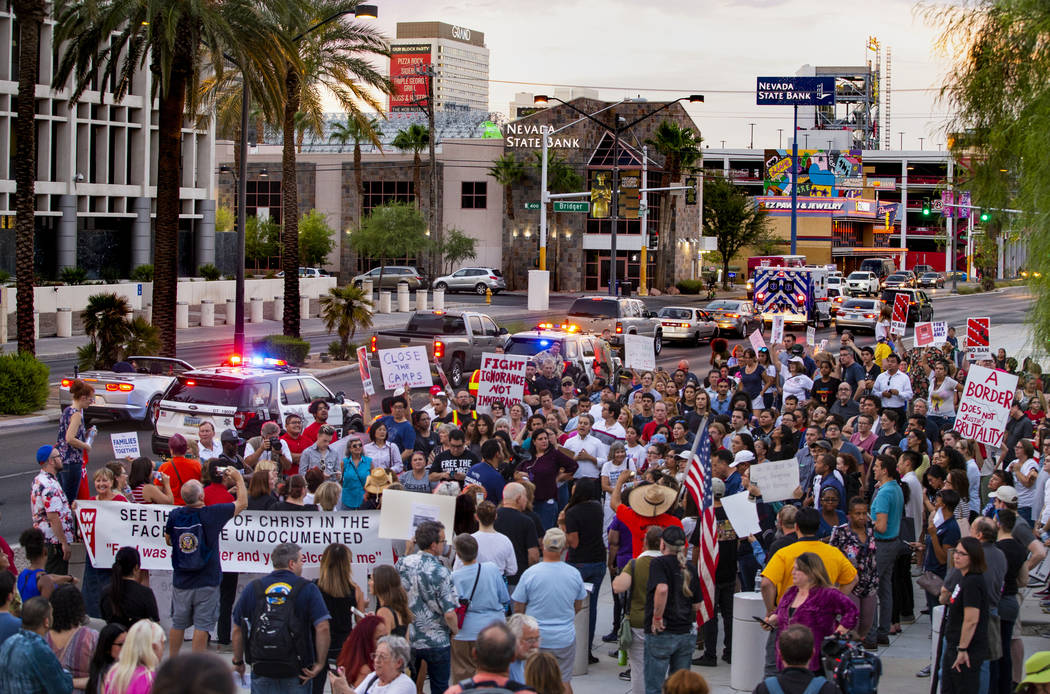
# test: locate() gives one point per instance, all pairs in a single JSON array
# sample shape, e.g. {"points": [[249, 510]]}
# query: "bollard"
{"points": [[257, 310], [581, 623], [384, 302], [36, 324], [749, 642], [231, 312], [439, 299], [278, 308], [64, 318], [304, 307], [147, 313], [366, 287], [402, 297], [207, 313], [421, 299], [182, 315]]}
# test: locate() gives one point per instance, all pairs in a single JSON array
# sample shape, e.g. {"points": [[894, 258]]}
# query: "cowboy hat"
{"points": [[378, 480], [652, 499]]}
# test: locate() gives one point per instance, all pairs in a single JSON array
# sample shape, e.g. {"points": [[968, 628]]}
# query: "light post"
{"points": [[901, 133], [752, 145], [617, 129], [780, 138]]}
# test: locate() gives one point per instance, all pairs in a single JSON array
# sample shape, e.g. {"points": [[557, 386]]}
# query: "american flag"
{"points": [[698, 481]]}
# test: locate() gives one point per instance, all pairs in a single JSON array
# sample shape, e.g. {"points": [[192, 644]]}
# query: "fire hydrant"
{"points": [[488, 295]]}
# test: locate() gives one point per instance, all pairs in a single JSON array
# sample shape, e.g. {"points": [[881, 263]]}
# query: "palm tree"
{"points": [[332, 57], [413, 139], [106, 324], [346, 310], [681, 150], [508, 172], [30, 15], [114, 39], [357, 129]]}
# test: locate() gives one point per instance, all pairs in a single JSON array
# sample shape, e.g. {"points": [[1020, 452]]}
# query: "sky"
{"points": [[662, 50]]}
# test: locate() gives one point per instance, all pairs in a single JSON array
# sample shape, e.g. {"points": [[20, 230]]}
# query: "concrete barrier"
{"points": [[439, 299], [384, 302], [402, 297], [64, 321], [278, 308], [256, 310], [421, 299], [182, 315], [207, 313], [304, 307]]}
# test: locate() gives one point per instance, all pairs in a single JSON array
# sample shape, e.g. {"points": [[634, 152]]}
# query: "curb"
{"points": [[45, 418], [339, 370]]}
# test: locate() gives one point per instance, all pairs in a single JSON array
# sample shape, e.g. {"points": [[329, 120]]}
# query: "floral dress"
{"points": [[860, 553]]}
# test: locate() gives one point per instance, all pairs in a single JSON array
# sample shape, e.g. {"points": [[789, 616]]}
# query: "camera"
{"points": [[275, 444]]}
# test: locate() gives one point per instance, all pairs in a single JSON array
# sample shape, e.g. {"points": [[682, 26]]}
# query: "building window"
{"points": [[263, 196], [381, 192], [474, 195]]}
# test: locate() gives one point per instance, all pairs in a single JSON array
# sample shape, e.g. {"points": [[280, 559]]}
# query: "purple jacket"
{"points": [[820, 613]]}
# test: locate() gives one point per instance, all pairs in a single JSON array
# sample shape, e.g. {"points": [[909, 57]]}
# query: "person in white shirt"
{"points": [[608, 430], [908, 462], [635, 450], [207, 446], [617, 464], [589, 452], [796, 382], [493, 546], [893, 387], [1025, 469]]}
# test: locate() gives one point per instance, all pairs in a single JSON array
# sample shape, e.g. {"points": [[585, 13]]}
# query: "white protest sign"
{"points": [[245, 542], [776, 479], [125, 445], [776, 333], [757, 342], [985, 405], [639, 353], [940, 332], [502, 379], [405, 367], [811, 335], [823, 345], [742, 514], [366, 375], [402, 511]]}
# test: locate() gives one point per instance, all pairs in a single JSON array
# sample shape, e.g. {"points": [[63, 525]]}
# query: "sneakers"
{"points": [[883, 640], [726, 657], [625, 675], [611, 637], [870, 645], [706, 660], [925, 672]]}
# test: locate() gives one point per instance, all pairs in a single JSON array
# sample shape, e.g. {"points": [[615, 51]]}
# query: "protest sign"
{"points": [[811, 335], [899, 321], [742, 514], [245, 542], [940, 332], [776, 332], [977, 331], [125, 445], [823, 345], [923, 334], [405, 367], [502, 379], [757, 342], [444, 379], [402, 511], [366, 375], [639, 353], [776, 479], [985, 405]]}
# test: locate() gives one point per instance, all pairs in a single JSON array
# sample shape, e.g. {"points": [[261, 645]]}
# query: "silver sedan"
{"points": [[687, 323]]}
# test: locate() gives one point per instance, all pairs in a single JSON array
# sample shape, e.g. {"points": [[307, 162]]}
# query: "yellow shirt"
{"points": [[882, 350], [778, 568]]}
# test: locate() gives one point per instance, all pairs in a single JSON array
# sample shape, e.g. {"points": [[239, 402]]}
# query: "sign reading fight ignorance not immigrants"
{"points": [[985, 405], [502, 379]]}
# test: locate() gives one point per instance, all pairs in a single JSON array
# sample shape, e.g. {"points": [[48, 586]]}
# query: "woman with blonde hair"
{"points": [[134, 671], [542, 673], [327, 495], [341, 595]]}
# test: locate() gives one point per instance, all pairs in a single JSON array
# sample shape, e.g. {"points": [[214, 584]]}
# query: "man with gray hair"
{"points": [[268, 446], [281, 627], [527, 641], [512, 522], [192, 532]]}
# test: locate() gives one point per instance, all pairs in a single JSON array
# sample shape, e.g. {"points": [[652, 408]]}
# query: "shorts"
{"points": [[196, 607], [566, 658]]}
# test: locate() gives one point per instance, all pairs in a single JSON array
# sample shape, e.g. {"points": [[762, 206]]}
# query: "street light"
{"points": [[617, 128]]}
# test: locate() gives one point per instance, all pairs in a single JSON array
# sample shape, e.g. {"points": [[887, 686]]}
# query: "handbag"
{"points": [[464, 603], [930, 582]]}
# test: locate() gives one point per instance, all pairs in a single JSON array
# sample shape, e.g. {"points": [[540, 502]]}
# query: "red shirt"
{"points": [[181, 470], [309, 435], [651, 427], [297, 446], [117, 496], [639, 524], [6, 549], [216, 493]]}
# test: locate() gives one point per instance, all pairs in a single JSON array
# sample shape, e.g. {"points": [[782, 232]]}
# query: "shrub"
{"points": [[142, 273], [209, 272], [291, 349], [987, 283], [23, 383], [335, 348], [73, 275], [109, 274], [690, 286], [5, 276]]}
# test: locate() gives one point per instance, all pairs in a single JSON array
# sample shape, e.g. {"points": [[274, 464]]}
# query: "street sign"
{"points": [[795, 91], [532, 206], [568, 206]]}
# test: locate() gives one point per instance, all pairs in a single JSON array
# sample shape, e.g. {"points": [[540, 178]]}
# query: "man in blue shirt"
{"points": [[887, 509], [486, 473], [308, 623], [399, 429], [27, 663]]}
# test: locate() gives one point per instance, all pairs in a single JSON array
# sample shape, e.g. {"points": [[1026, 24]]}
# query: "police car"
{"points": [[242, 394], [592, 355]]}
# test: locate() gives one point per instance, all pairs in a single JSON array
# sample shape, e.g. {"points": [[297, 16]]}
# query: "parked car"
{"points": [[863, 282], [392, 275], [920, 308], [593, 355], [242, 395], [896, 280], [837, 297], [858, 314], [687, 323], [931, 279], [617, 314], [958, 275], [126, 395], [880, 267], [472, 279], [734, 315]]}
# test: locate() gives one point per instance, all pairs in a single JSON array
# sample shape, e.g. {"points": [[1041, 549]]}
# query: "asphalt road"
{"points": [[19, 465]]}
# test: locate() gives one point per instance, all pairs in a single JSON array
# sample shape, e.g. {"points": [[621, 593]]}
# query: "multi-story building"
{"points": [[458, 57], [96, 173]]}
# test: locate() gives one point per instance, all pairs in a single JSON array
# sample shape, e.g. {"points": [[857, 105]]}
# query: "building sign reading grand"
{"points": [[528, 136]]}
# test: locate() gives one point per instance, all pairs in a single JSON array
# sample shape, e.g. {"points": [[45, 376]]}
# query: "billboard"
{"points": [[820, 172], [407, 77]]}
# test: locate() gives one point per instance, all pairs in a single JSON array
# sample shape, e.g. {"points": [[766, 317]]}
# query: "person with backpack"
{"points": [[192, 532], [796, 648], [281, 627], [494, 651]]}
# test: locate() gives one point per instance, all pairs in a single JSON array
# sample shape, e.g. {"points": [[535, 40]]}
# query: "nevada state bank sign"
{"points": [[528, 136]]}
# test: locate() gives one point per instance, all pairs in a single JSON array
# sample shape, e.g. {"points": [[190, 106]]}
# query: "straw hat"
{"points": [[378, 480], [652, 499]]}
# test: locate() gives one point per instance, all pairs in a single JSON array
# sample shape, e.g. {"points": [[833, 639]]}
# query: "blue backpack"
{"points": [[189, 546], [773, 685]]}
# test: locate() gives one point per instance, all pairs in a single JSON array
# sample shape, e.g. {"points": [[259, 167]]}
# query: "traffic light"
{"points": [[926, 209], [985, 216], [653, 242], [690, 195]]}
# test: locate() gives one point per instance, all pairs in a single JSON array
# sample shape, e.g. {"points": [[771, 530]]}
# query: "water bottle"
{"points": [[623, 658]]}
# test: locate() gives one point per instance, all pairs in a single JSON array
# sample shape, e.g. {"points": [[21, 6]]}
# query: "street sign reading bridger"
{"points": [[795, 91], [567, 206]]}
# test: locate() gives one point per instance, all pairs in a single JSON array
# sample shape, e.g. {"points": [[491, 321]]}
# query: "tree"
{"points": [[346, 310], [357, 129], [733, 218], [681, 150], [457, 247], [224, 219], [30, 15], [106, 325], [413, 139], [262, 241], [109, 41], [394, 230], [508, 172], [315, 238]]}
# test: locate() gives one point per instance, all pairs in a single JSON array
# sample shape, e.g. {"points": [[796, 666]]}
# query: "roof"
{"points": [[234, 372], [449, 124]]}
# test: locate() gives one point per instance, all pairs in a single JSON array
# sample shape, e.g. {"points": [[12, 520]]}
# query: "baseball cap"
{"points": [[436, 390], [797, 349], [797, 360], [229, 435], [718, 488], [43, 453], [1005, 494], [554, 540], [744, 456], [673, 536], [823, 443], [567, 381]]}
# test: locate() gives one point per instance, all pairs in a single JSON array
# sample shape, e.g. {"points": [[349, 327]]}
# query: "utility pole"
{"points": [[752, 145], [921, 140], [436, 234], [901, 133], [780, 138]]}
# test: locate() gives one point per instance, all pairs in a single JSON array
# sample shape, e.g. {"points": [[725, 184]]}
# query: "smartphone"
{"points": [[763, 623], [221, 470], [480, 496], [157, 477]]}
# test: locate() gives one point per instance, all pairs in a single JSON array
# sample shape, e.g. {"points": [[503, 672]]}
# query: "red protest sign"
{"points": [[923, 334], [977, 332], [899, 322]]}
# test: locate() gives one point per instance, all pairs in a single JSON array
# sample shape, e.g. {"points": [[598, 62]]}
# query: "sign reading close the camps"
{"points": [[405, 367]]}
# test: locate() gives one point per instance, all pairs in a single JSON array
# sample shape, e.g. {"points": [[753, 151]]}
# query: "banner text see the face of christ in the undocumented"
{"points": [[245, 542]]}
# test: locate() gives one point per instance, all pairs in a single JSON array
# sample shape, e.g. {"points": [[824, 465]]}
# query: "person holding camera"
{"points": [[268, 446]]}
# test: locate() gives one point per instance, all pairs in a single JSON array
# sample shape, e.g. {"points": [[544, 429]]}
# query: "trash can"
{"points": [[625, 288], [749, 642], [935, 638], [581, 624]]}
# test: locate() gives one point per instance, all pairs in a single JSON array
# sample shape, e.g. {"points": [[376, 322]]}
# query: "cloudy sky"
{"points": [[715, 47]]}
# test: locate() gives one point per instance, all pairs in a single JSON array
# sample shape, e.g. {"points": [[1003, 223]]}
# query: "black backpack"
{"points": [[490, 687], [273, 631]]}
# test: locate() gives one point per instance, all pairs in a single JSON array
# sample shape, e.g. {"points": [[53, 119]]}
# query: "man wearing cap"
{"points": [[230, 443], [552, 592], [180, 469], [648, 505], [51, 513], [568, 392], [670, 611], [438, 408], [1006, 497], [725, 581], [634, 580], [736, 467]]}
